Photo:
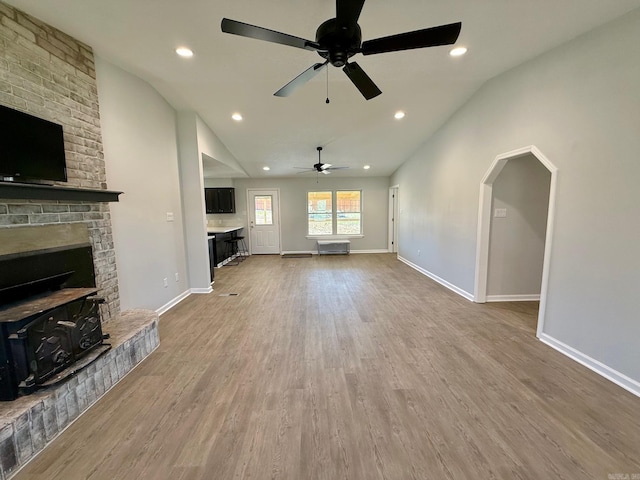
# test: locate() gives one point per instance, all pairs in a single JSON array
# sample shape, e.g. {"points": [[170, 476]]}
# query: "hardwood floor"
{"points": [[349, 367]]}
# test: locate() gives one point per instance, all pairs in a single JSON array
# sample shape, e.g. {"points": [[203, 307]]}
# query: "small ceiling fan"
{"points": [[324, 168], [338, 39]]}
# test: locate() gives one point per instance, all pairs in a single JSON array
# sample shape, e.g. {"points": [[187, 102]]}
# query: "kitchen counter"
{"points": [[220, 250], [223, 229]]}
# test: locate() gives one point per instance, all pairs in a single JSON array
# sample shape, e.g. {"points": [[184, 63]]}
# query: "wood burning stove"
{"points": [[49, 317]]}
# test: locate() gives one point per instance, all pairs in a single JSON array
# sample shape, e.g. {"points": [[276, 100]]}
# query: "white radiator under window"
{"points": [[334, 247]]}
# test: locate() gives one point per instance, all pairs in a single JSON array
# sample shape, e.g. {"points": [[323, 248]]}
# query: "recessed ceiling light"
{"points": [[458, 51], [266, 169], [367, 167], [237, 117], [399, 115], [184, 52]]}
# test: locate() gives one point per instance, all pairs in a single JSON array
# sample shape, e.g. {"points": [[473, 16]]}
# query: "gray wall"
{"points": [[516, 242], [139, 137], [293, 208], [580, 105]]}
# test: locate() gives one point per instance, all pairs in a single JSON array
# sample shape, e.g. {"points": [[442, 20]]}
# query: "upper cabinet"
{"points": [[220, 200]]}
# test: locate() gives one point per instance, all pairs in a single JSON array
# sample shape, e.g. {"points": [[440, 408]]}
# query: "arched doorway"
{"points": [[484, 225]]}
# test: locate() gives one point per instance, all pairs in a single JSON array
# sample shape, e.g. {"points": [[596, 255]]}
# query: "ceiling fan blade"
{"points": [[337, 168], [348, 11], [428, 37], [361, 80], [300, 80], [246, 30], [326, 172], [324, 166]]}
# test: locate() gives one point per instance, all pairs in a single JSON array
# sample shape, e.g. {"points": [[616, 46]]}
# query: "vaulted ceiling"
{"points": [[230, 74]]}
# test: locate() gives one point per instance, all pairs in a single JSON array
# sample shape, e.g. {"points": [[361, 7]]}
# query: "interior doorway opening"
{"points": [[487, 212]]}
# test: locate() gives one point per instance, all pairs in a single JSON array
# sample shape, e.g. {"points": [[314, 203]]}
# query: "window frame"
{"points": [[334, 215]]}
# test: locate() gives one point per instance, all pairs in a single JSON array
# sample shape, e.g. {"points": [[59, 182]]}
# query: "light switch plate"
{"points": [[500, 213], [169, 216]]}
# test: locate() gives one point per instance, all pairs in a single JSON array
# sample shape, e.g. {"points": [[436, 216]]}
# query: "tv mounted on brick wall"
{"points": [[31, 148]]}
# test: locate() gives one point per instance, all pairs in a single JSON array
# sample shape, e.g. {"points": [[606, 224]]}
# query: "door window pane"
{"points": [[262, 210], [319, 210]]}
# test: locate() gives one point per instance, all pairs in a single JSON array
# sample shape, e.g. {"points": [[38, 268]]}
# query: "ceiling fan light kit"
{"points": [[338, 39]]}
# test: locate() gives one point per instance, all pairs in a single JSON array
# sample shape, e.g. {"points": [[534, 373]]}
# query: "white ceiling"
{"points": [[234, 74]]}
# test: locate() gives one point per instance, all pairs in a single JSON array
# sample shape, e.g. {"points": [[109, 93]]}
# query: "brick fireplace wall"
{"points": [[51, 75]]}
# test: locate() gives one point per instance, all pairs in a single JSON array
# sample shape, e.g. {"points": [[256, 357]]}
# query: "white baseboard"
{"points": [[380, 250], [600, 368], [201, 290], [173, 303], [436, 278], [315, 252], [224, 262], [514, 298]]}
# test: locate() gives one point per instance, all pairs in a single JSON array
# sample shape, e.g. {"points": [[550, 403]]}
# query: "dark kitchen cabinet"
{"points": [[212, 255], [220, 200]]}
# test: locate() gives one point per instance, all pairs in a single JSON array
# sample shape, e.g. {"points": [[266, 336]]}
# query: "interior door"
{"points": [[264, 221]]}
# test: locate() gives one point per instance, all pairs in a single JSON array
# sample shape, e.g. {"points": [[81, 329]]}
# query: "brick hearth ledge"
{"points": [[30, 423]]}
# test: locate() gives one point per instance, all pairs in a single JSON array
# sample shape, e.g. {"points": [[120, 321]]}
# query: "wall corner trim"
{"points": [[629, 384], [437, 279]]}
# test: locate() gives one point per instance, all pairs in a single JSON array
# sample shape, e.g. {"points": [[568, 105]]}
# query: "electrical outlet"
{"points": [[177, 277], [166, 282], [169, 216]]}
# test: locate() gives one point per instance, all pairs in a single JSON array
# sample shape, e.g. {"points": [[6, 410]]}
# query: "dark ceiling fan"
{"points": [[320, 167], [340, 38]]}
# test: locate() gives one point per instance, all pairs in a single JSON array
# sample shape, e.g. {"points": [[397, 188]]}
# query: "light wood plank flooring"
{"points": [[349, 367]]}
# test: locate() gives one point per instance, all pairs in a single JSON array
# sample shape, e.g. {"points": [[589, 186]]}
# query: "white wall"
{"points": [[580, 105], [192, 191], [218, 182], [196, 141], [293, 208], [516, 245], [212, 146], [139, 137]]}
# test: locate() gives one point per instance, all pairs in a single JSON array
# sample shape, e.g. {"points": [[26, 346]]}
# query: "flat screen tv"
{"points": [[31, 149]]}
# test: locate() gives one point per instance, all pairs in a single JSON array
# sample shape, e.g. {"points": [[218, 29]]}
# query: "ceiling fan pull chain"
{"points": [[327, 100]]}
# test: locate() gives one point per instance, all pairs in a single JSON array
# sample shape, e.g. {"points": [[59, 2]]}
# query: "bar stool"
{"points": [[230, 250], [244, 253]]}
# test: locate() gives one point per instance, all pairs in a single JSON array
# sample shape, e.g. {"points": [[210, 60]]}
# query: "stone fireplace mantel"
{"points": [[28, 191]]}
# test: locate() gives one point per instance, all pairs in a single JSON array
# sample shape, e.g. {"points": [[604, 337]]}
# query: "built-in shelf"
{"points": [[29, 191]]}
